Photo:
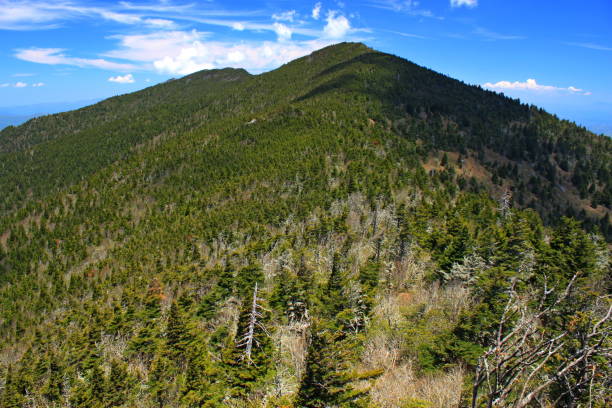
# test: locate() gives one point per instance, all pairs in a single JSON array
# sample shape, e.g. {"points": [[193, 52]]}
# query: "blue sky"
{"points": [[553, 53]]}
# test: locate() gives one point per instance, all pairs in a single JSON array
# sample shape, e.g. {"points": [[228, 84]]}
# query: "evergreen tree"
{"points": [[178, 335], [53, 389], [118, 385], [12, 396], [327, 379]]}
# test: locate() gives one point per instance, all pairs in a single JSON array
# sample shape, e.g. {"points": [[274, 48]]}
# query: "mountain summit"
{"points": [[348, 230]]}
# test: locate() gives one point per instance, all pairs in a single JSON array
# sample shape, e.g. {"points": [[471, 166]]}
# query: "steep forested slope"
{"points": [[337, 232]]}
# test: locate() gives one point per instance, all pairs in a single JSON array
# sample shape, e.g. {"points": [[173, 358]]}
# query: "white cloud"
{"points": [[337, 25], [282, 31], [4, 85], [125, 79], [238, 26], [466, 3], [20, 85], [532, 85], [235, 57], [38, 84], [55, 56], [159, 22], [184, 52], [154, 46], [190, 59], [285, 16], [253, 57], [316, 11]]}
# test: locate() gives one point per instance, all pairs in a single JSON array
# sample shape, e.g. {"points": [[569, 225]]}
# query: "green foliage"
{"points": [[327, 379], [132, 233]]}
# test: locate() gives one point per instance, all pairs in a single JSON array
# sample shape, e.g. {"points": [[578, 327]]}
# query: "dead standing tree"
{"points": [[249, 338], [526, 359]]}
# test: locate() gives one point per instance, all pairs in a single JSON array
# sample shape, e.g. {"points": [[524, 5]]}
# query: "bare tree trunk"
{"points": [[511, 372]]}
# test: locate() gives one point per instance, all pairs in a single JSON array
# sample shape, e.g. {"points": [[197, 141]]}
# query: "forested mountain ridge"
{"points": [[549, 163], [369, 202]]}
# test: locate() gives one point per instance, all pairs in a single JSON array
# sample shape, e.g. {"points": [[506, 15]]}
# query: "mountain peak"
{"points": [[220, 74]]}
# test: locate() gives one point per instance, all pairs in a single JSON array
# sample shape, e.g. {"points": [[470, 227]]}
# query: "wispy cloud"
{"points": [[125, 79], [532, 85], [157, 7], [410, 7], [32, 15], [591, 46], [29, 15], [408, 35], [493, 36], [464, 3], [285, 16], [160, 22], [55, 56], [316, 11], [21, 84], [25, 16]]}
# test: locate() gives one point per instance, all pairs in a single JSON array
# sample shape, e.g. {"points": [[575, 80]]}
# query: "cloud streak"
{"points": [[21, 84], [56, 56], [532, 85], [410, 7], [591, 46], [30, 15], [464, 3], [493, 36], [39, 15], [285, 16]]}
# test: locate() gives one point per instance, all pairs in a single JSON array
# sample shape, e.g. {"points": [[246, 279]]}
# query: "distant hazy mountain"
{"points": [[13, 120], [16, 115]]}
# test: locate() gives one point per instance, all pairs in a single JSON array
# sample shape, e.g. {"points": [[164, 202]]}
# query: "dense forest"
{"points": [[349, 230]]}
